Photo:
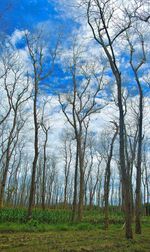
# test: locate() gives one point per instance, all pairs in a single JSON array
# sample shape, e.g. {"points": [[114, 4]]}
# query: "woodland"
{"points": [[74, 131]]}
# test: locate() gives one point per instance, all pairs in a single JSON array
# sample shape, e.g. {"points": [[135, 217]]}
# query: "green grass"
{"points": [[28, 227], [52, 231], [75, 239], [54, 216], [19, 215]]}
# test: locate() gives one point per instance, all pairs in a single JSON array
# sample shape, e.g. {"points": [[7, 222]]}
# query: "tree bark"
{"points": [[107, 181]]}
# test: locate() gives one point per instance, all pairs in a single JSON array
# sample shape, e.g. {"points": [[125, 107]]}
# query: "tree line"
{"points": [[93, 165]]}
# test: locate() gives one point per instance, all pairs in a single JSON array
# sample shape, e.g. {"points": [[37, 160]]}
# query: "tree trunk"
{"points": [[139, 160], [107, 181], [124, 169], [75, 187], [32, 187], [44, 170], [81, 167]]}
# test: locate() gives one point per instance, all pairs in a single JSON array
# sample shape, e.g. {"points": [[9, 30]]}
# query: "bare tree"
{"points": [[81, 102], [45, 127], [101, 19], [16, 97], [37, 57], [68, 155], [108, 175], [136, 66]]}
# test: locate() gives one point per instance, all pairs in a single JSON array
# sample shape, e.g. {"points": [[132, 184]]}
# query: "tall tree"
{"points": [[107, 176], [45, 128], [40, 73], [101, 16], [15, 96], [136, 67], [81, 102]]}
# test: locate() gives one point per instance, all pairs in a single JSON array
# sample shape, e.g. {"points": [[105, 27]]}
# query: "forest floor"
{"points": [[35, 236], [95, 240]]}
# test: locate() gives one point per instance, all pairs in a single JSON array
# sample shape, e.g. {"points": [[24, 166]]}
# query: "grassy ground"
{"points": [[39, 236], [96, 240]]}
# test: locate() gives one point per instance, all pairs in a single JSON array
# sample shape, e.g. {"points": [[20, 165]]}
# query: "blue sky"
{"points": [[27, 14], [30, 14]]}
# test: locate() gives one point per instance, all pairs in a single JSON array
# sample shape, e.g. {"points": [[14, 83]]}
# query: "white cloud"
{"points": [[17, 36]]}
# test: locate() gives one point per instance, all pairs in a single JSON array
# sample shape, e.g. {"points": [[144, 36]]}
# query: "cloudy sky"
{"points": [[53, 16], [28, 14]]}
